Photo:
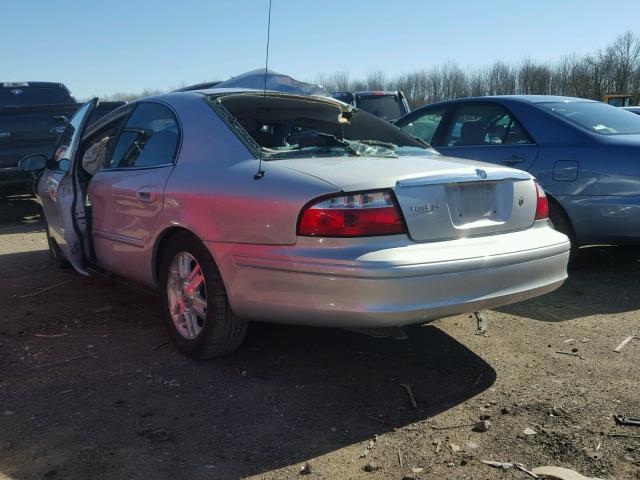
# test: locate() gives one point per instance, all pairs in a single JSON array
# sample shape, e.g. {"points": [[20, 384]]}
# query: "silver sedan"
{"points": [[243, 205]]}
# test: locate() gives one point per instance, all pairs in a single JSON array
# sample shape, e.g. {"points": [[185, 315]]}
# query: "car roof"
{"points": [[543, 98], [230, 91], [369, 92], [198, 86], [534, 99], [514, 98], [33, 84]]}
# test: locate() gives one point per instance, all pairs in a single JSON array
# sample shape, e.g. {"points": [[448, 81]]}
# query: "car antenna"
{"points": [[260, 173]]}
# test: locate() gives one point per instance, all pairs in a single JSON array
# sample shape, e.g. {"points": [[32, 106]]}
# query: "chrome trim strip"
{"points": [[114, 237], [128, 169], [378, 270], [464, 177]]}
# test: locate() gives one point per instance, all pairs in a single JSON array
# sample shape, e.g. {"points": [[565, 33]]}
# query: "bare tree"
{"points": [[615, 69], [502, 79], [625, 57], [376, 80], [533, 78]]}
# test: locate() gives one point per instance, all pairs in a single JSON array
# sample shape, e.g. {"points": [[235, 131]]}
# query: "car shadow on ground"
{"points": [[130, 409], [90, 387], [602, 280]]}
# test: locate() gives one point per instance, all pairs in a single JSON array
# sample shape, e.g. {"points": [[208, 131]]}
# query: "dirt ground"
{"points": [[90, 389]]}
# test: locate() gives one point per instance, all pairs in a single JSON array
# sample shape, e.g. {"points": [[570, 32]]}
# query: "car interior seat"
{"points": [[471, 133]]}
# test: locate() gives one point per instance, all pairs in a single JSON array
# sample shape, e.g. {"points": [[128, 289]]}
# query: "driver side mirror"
{"points": [[33, 163]]}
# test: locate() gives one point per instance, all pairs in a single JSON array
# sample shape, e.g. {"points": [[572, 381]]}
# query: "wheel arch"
{"points": [[555, 204], [162, 239]]}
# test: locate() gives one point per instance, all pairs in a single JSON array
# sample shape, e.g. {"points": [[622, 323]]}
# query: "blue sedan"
{"points": [[585, 154]]}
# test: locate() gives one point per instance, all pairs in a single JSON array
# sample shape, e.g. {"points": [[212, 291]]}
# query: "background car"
{"points": [[388, 105], [583, 153], [244, 205], [198, 86], [635, 110]]}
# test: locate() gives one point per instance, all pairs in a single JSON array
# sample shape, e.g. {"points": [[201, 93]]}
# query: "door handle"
{"points": [[513, 160], [60, 118], [146, 195], [57, 130]]}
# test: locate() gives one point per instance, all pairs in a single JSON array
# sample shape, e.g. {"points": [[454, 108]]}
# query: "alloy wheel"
{"points": [[187, 294]]}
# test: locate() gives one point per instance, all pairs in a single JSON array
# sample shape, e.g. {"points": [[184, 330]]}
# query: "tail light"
{"points": [[352, 215], [542, 205]]}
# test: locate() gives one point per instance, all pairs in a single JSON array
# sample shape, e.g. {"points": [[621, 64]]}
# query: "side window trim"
{"points": [[444, 125], [521, 125], [129, 169], [176, 117]]}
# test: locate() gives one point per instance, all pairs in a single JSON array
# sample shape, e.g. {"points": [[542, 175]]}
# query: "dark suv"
{"points": [[32, 117]]}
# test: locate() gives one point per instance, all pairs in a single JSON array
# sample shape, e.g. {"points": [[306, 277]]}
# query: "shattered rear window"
{"points": [[290, 126]]}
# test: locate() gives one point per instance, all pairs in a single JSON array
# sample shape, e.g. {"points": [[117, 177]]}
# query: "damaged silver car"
{"points": [[242, 205]]}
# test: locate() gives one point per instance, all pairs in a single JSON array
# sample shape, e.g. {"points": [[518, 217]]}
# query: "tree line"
{"points": [[614, 69], [611, 70]]}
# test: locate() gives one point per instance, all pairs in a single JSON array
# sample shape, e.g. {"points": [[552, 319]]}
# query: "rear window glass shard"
{"points": [[290, 126]]}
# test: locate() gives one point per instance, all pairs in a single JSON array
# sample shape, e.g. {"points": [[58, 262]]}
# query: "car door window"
{"points": [[149, 138], [61, 158], [95, 149], [424, 126], [484, 124]]}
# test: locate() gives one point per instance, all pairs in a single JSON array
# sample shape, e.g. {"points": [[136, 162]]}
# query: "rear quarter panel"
{"points": [[213, 190], [595, 178]]}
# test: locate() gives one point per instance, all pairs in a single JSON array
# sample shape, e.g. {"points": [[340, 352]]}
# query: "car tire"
{"points": [[196, 309], [559, 221], [55, 254]]}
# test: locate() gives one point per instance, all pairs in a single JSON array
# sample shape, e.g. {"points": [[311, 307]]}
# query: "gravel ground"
{"points": [[89, 387]]}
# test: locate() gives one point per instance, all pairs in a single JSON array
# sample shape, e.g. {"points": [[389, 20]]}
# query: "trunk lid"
{"points": [[440, 197]]}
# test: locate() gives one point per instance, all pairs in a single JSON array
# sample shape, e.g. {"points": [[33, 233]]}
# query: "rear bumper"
{"points": [[394, 282]]}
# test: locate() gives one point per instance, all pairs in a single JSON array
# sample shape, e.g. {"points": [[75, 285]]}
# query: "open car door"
{"points": [[61, 192]]}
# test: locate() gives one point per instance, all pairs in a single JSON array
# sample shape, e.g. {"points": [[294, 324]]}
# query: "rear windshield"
{"points": [[597, 117], [387, 107], [21, 96], [343, 97], [287, 126]]}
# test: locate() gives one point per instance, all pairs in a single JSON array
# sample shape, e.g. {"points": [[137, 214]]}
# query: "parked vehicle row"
{"points": [[245, 205], [32, 117]]}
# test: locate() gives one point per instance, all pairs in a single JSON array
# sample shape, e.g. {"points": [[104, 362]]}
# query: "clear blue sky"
{"points": [[99, 47]]}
